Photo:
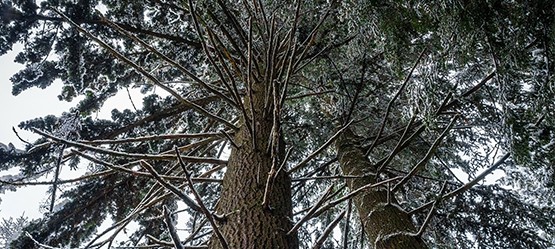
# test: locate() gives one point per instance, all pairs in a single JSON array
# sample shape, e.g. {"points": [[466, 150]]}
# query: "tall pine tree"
{"points": [[344, 122]]}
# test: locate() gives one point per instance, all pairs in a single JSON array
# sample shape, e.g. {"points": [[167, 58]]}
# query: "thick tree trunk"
{"points": [[248, 223], [386, 225]]}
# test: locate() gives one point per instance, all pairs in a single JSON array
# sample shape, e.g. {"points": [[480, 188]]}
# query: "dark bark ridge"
{"points": [[248, 223]]}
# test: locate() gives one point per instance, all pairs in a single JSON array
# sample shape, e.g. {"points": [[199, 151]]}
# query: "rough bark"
{"points": [[249, 224], [386, 225]]}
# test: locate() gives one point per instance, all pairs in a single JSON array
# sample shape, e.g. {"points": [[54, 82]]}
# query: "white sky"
{"points": [[34, 103]]}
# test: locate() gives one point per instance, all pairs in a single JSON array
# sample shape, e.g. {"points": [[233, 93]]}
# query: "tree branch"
{"points": [[165, 157], [328, 230], [170, 187], [428, 155], [148, 75], [201, 205], [171, 228], [317, 151], [390, 104], [468, 185]]}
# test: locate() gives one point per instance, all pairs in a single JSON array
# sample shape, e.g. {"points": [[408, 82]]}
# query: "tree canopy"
{"points": [[321, 124]]}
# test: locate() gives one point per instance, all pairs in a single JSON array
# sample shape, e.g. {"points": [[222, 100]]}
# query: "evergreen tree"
{"points": [[339, 117]]}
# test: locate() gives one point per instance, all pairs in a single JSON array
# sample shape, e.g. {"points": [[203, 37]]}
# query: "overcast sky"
{"points": [[30, 104], [27, 105]]}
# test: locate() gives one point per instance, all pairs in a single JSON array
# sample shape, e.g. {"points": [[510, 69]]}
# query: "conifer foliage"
{"points": [[288, 124]]}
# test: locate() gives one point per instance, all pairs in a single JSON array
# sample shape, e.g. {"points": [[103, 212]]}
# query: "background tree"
{"points": [[406, 90]]}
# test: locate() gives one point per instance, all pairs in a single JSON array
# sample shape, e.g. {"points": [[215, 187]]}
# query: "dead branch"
{"points": [[311, 211], [170, 186], [166, 157], [353, 194], [468, 185], [328, 230], [148, 75], [150, 138], [390, 104], [317, 151], [201, 205], [171, 228], [428, 155]]}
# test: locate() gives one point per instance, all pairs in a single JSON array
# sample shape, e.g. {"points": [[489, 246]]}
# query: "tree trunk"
{"points": [[386, 225], [248, 223]]}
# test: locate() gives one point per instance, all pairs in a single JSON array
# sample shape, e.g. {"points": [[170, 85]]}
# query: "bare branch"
{"points": [[201, 205], [229, 138], [316, 152], [354, 193], [468, 185], [120, 168], [428, 155], [171, 228], [390, 104], [166, 157], [170, 186], [399, 146], [311, 211], [328, 230], [304, 95], [250, 86], [151, 138], [341, 177], [430, 214], [347, 227]]}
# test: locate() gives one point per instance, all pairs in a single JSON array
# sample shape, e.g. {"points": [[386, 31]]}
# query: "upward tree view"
{"points": [[287, 124]]}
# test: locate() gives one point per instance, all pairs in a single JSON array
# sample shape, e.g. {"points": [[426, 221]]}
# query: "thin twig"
{"points": [[468, 185], [390, 104], [170, 186], [428, 155], [201, 205], [328, 230], [18, 137], [316, 152], [311, 211], [171, 228]]}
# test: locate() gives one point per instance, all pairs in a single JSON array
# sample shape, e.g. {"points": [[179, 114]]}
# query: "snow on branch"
{"points": [[165, 157]]}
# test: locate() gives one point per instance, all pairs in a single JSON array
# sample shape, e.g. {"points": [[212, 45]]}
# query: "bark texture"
{"points": [[248, 223], [387, 226]]}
